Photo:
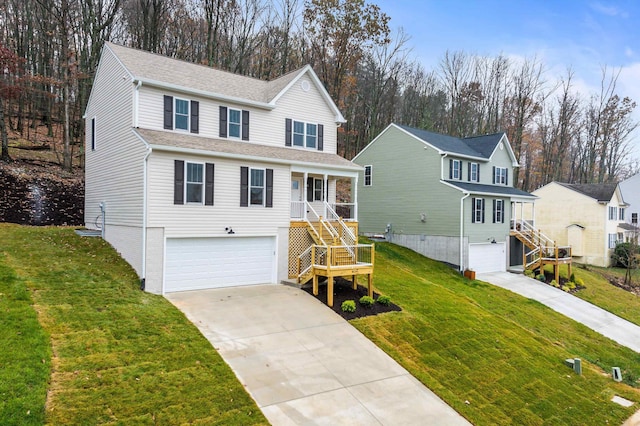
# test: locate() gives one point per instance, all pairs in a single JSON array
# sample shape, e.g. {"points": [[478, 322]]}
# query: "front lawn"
{"points": [[99, 349], [495, 356], [602, 293]]}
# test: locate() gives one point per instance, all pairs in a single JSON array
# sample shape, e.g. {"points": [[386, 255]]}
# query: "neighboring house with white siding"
{"points": [[588, 217], [448, 198], [630, 189], [204, 178]]}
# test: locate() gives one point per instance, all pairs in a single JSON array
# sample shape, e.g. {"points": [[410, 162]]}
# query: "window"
{"points": [[612, 240], [500, 176], [235, 123], [455, 169], [194, 182], [93, 134], [477, 210], [634, 218], [256, 187], [367, 175], [304, 135], [621, 213], [474, 172], [613, 213], [181, 114], [318, 186], [498, 211]]}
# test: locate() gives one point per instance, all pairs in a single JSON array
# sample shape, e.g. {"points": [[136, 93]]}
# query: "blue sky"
{"points": [[585, 35]]}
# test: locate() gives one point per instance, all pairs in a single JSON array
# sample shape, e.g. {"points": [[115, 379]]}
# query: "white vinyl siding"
{"points": [[266, 125], [190, 220], [113, 172]]}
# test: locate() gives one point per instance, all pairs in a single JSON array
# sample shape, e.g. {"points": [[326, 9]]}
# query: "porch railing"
{"points": [[298, 209], [347, 211], [335, 256]]}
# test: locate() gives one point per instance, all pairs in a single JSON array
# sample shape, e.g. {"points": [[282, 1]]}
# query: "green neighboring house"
{"points": [[451, 199]]}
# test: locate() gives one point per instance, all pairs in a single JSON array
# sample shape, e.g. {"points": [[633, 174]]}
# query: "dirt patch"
{"points": [[619, 282], [343, 290]]}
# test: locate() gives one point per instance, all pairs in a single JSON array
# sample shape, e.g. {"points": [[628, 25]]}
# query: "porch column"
{"points": [[325, 194], [304, 189], [354, 191]]}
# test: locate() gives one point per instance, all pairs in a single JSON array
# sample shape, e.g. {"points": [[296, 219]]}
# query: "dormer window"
{"points": [[304, 135]]}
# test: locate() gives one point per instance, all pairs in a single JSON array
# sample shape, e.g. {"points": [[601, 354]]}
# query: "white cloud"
{"points": [[608, 10], [629, 52]]}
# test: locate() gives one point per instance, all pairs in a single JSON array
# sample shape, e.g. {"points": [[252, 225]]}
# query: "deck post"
{"points": [[370, 284], [354, 279], [315, 284], [330, 291]]}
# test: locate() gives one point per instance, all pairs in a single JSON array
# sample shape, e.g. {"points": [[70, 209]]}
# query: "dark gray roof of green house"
{"points": [[498, 190], [477, 146], [598, 191]]}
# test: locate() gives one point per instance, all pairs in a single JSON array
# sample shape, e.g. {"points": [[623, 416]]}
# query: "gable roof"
{"points": [[185, 142], [157, 70], [601, 192], [476, 147]]}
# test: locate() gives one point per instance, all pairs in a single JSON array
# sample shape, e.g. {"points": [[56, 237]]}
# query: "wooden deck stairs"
{"points": [[335, 252], [540, 250]]}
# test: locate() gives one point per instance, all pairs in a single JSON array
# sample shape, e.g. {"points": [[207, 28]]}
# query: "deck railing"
{"points": [[347, 211], [335, 256]]}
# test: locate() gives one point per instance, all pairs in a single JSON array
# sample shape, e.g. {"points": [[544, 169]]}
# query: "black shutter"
{"points": [[287, 132], [459, 169], [93, 133], [178, 182], [494, 210], [473, 210], [195, 107], [244, 186], [494, 174], [450, 168], [310, 189], [223, 122], [245, 125], [482, 201], [168, 112], [504, 209], [269, 199], [208, 187], [320, 137], [506, 176], [478, 173], [469, 171]]}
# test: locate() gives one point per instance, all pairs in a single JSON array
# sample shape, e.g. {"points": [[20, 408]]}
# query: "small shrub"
{"points": [[529, 273], [366, 301], [571, 285], [348, 306], [579, 281], [383, 300], [541, 277], [572, 278], [554, 283], [565, 288]]}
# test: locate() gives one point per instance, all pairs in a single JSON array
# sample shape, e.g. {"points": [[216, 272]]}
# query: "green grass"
{"points": [[104, 351], [605, 295], [494, 356]]}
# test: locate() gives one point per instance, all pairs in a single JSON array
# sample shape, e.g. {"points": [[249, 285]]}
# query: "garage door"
{"points": [[201, 263], [487, 257]]}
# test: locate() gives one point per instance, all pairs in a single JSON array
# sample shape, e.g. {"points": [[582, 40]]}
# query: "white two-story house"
{"points": [[202, 178]]}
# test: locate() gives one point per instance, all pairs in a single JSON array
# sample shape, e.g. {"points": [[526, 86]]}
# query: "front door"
{"points": [[297, 202]]}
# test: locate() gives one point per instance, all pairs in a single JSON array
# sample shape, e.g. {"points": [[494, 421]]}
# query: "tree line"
{"points": [[49, 50]]}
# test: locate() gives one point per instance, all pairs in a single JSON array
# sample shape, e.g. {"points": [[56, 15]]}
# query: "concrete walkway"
{"points": [[604, 322], [304, 365]]}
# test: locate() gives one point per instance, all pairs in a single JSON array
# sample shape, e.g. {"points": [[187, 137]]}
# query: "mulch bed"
{"points": [[343, 290]]}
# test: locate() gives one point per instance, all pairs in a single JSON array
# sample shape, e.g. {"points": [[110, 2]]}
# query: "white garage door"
{"points": [[201, 263], [487, 257]]}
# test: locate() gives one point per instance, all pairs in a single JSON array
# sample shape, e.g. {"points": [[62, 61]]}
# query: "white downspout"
{"points": [[136, 99], [462, 231], [325, 193], [305, 183], [355, 195], [442, 166], [144, 218]]}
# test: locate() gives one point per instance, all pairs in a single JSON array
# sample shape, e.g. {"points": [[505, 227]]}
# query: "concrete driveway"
{"points": [[604, 322], [304, 365]]}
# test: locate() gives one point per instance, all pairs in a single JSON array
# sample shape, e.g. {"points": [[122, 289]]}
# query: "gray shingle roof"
{"points": [[478, 146], [597, 191], [477, 188], [186, 142], [151, 66]]}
